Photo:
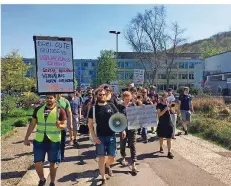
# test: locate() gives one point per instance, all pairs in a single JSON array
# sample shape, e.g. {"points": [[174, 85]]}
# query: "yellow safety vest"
{"points": [[49, 126]]}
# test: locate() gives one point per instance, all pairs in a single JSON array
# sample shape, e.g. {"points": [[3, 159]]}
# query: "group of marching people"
{"points": [[106, 105], [60, 114]]}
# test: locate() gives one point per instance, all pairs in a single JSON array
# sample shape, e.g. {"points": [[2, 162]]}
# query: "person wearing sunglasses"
{"points": [[165, 126], [103, 137]]}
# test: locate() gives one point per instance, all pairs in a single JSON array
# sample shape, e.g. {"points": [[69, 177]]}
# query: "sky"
{"points": [[89, 25]]}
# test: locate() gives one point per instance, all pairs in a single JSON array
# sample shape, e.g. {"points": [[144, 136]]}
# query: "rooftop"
{"points": [[134, 55]]}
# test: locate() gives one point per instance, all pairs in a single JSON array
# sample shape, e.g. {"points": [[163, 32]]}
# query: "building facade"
{"points": [[187, 70], [85, 70], [217, 69]]}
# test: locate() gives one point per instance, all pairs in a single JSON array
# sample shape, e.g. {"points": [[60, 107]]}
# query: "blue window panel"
{"points": [[185, 65], [92, 75], [93, 64], [85, 80], [181, 64], [191, 65], [139, 65], [91, 72], [129, 65]]}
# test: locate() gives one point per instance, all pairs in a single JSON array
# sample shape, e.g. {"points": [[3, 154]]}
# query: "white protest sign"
{"points": [[228, 80], [54, 62], [141, 116], [138, 76]]}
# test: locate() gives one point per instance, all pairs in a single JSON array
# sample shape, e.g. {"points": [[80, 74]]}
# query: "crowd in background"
{"points": [[140, 96], [79, 111]]}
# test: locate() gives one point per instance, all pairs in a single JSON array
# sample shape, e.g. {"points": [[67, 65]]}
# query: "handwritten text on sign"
{"points": [[138, 76], [54, 66], [141, 116]]}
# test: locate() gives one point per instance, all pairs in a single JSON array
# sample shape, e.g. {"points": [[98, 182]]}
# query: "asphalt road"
{"points": [[80, 168]]}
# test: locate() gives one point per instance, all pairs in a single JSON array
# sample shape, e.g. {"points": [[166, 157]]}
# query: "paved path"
{"points": [[191, 166]]}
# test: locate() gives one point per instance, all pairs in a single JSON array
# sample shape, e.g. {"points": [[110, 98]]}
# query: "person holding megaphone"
{"points": [[104, 138]]}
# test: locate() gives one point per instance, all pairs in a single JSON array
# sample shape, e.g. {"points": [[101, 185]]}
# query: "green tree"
{"points": [[107, 67], [206, 52], [123, 83], [75, 82], [13, 73]]}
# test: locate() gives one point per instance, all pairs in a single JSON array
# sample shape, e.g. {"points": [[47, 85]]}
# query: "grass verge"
{"points": [[7, 123], [217, 131]]}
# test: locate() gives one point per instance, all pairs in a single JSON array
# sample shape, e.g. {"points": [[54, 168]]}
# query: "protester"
{"points": [[87, 104], [165, 127], [110, 96], [76, 109], [65, 104], [48, 136], [146, 101], [171, 100], [153, 95], [131, 134], [186, 107], [103, 137]]}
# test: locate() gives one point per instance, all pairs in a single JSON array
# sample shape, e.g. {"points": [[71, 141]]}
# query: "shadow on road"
{"points": [[7, 159], [15, 174], [17, 156], [75, 177], [150, 155], [18, 142]]}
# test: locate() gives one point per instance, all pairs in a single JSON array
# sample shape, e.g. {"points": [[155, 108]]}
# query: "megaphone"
{"points": [[118, 122]]}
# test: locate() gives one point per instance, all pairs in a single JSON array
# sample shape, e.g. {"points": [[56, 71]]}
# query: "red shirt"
{"points": [[62, 113]]}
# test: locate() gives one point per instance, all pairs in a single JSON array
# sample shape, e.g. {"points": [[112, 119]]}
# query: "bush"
{"points": [[227, 99], [22, 122], [17, 113], [8, 104], [216, 130], [208, 104], [28, 99], [225, 111]]}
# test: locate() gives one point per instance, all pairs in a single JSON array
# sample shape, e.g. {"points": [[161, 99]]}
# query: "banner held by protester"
{"points": [[142, 116], [54, 64]]}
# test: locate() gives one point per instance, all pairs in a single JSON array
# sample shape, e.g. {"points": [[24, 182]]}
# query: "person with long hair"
{"points": [[131, 134], [165, 126]]}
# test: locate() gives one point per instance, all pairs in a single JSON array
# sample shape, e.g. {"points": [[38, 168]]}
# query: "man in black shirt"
{"points": [[105, 139], [186, 107]]}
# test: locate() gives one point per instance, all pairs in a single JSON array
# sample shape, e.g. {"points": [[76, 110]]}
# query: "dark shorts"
{"points": [[51, 148], [186, 115], [107, 147]]}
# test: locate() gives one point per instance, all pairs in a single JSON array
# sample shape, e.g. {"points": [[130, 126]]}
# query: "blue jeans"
{"points": [[144, 133], [51, 148], [107, 146], [186, 115]]}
